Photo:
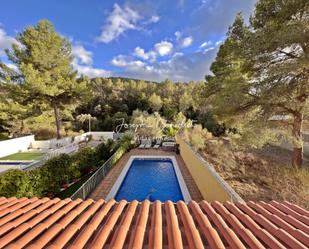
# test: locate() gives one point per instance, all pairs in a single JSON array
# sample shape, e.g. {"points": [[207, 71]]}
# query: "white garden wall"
{"points": [[11, 146], [101, 135], [15, 145], [51, 143]]}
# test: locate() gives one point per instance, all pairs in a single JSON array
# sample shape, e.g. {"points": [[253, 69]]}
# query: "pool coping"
{"points": [[183, 187]]}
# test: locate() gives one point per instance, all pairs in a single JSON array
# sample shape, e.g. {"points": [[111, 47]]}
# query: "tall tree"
{"points": [[44, 58], [229, 89], [155, 102], [263, 70], [280, 54]]}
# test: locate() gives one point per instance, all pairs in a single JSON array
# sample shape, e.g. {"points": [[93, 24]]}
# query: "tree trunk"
{"points": [[58, 120], [22, 126], [298, 148]]}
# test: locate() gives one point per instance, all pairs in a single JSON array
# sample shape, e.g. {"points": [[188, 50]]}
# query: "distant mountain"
{"points": [[114, 79]]}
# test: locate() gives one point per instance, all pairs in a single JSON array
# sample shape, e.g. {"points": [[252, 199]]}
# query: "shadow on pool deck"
{"points": [[105, 186]]}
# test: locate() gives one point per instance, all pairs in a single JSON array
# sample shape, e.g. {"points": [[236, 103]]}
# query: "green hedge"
{"points": [[55, 173], [126, 143], [15, 183]]}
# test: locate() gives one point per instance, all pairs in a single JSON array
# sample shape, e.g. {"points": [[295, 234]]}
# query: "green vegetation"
{"points": [[126, 144], [56, 172], [4, 136], [67, 193], [261, 70], [46, 81], [24, 156], [258, 174], [15, 183]]}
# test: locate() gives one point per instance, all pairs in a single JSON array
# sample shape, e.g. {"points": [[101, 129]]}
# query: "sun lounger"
{"points": [[148, 144], [141, 146], [143, 143], [158, 144]]}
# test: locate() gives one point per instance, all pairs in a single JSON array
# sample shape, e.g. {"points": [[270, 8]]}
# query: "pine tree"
{"points": [[263, 70], [280, 59], [44, 58]]}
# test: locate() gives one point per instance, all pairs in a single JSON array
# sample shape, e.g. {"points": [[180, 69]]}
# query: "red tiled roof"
{"points": [[55, 224]]}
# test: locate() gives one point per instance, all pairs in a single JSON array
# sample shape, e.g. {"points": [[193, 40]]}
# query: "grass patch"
{"points": [[23, 156]]}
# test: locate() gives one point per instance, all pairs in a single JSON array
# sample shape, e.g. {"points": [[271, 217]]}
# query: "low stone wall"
{"points": [[54, 143], [14, 145], [51, 143], [210, 183]]}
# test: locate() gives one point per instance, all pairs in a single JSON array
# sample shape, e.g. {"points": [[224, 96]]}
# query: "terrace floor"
{"points": [[106, 185]]}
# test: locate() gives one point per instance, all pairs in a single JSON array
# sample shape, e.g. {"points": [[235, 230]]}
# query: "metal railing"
{"points": [[68, 149], [88, 186]]}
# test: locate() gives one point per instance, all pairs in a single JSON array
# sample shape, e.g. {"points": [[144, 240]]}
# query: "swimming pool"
{"points": [[9, 164], [152, 178], [15, 163]]}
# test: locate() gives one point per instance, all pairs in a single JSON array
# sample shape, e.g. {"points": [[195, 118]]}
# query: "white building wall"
{"points": [[51, 143], [11, 146]]}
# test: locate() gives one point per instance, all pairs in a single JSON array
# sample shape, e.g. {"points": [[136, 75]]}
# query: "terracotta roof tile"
{"points": [[55, 224]]}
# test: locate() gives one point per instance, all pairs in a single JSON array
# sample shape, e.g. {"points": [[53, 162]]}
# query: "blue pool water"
{"points": [[153, 179], [14, 163]]}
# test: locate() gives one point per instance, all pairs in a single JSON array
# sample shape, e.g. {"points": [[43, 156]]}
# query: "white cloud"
{"points": [[82, 62], [180, 67], [163, 48], [154, 19], [178, 35], [91, 71], [82, 55], [178, 54], [5, 41], [183, 42], [186, 42], [119, 61], [140, 52], [206, 44], [125, 61], [219, 42], [118, 22], [208, 49]]}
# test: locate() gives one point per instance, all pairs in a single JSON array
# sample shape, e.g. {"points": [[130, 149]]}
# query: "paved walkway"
{"points": [[105, 186]]}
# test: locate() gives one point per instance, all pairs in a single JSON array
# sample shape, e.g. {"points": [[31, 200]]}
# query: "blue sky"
{"points": [[150, 39]]}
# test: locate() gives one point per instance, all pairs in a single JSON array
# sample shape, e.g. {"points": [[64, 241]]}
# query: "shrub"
{"points": [[4, 136], [44, 133], [84, 161], [126, 143], [197, 136], [59, 171], [118, 154], [105, 150], [39, 181], [15, 183]]}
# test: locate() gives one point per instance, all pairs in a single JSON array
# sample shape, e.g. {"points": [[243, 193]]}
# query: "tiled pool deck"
{"points": [[105, 186]]}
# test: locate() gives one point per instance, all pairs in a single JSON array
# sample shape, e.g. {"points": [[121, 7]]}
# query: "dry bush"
{"points": [[44, 133], [259, 175]]}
